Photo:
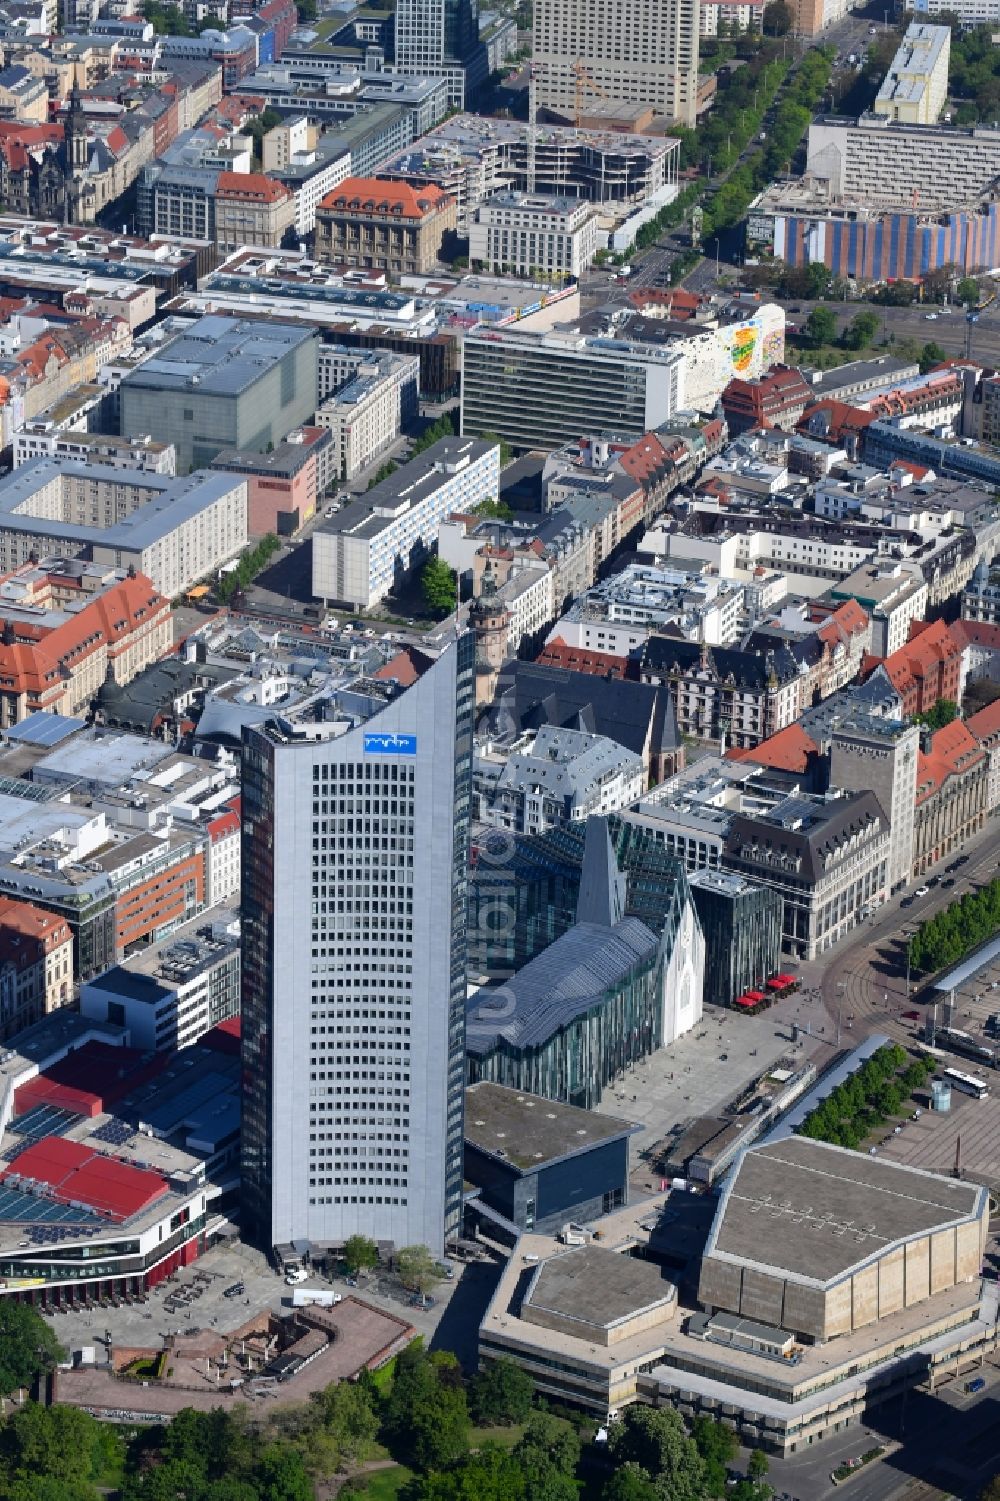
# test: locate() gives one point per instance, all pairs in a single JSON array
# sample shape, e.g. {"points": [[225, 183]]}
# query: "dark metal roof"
{"points": [[566, 980]]}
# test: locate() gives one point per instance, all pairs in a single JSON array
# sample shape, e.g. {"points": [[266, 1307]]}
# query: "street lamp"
{"points": [[717, 259]]}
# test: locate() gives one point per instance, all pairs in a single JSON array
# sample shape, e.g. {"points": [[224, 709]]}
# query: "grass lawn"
{"points": [[381, 1485], [506, 1438]]}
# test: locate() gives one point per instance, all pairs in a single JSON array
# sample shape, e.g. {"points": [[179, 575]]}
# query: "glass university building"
{"points": [[355, 843]]}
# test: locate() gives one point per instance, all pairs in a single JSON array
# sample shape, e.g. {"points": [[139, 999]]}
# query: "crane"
{"points": [[585, 83], [532, 123]]}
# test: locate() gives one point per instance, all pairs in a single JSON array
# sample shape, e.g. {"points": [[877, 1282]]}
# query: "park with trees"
{"points": [[869, 1098], [956, 930], [417, 1429]]}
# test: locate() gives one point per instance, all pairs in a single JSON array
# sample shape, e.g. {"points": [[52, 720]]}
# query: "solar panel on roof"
{"points": [[41, 728]]}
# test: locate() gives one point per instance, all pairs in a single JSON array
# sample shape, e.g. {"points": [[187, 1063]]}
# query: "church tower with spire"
{"points": [[489, 619], [76, 147]]}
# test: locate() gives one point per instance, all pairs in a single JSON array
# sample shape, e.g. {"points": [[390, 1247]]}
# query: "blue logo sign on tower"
{"points": [[390, 745]]}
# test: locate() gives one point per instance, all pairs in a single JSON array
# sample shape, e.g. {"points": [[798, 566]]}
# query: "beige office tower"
{"points": [[604, 59]]}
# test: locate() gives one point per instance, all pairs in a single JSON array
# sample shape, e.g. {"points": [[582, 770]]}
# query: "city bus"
{"points": [[966, 1083]]}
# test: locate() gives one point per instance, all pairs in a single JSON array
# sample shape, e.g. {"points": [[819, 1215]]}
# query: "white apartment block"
{"points": [[367, 548], [222, 859], [741, 18], [554, 777], [531, 235], [879, 161], [174, 531], [733, 553], [916, 86], [530, 599], [634, 52], [314, 177], [287, 140], [969, 12], [365, 415]]}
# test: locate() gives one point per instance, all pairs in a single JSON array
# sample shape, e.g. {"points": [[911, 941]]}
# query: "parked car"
{"points": [[977, 1385], [296, 1275], [922, 891]]}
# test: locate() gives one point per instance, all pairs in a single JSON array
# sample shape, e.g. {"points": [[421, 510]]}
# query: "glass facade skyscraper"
{"points": [[355, 851], [441, 38]]}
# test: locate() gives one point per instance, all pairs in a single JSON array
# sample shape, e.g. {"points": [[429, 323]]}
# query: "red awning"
{"points": [[776, 981], [756, 996], [747, 1001]]}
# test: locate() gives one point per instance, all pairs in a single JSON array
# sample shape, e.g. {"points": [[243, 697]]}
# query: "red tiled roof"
{"points": [[953, 751], [986, 722], [384, 197], [848, 619], [405, 667], [976, 633], [556, 653], [251, 185], [36, 659], [788, 750], [644, 458]]}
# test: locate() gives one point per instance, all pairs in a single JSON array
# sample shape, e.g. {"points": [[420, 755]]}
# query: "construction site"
{"points": [[473, 158]]}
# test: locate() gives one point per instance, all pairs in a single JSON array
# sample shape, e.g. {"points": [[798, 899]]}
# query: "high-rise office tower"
{"points": [[591, 57], [440, 38], [355, 850]]}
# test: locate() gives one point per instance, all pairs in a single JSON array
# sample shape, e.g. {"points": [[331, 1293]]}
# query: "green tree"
{"points": [[942, 712], [932, 354], [488, 1475], [629, 1483], [548, 1441], [968, 290], [821, 327], [656, 1440], [861, 330], [778, 18], [61, 1445], [757, 1465], [257, 128], [281, 1475], [497, 510], [348, 1421], [427, 1419], [502, 1393], [360, 1254], [505, 448], [439, 587], [717, 1446], [28, 1346]]}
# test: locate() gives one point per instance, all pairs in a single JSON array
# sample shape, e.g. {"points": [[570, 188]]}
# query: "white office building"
{"points": [[365, 415], [359, 555], [916, 86], [529, 234], [356, 829]]}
